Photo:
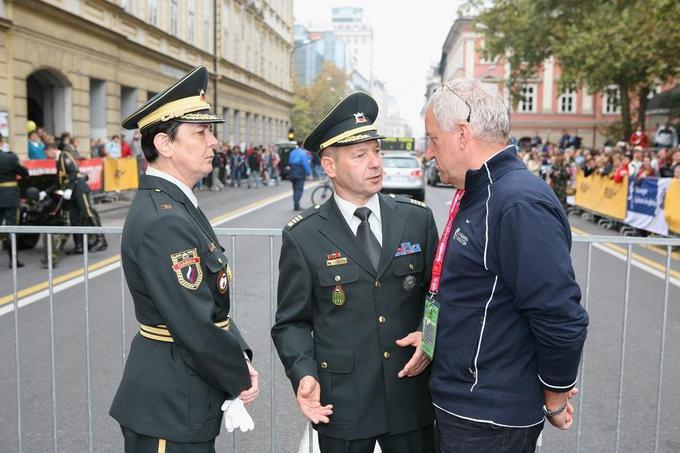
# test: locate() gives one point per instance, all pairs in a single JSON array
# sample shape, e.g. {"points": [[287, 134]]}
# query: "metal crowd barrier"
{"points": [[270, 235]]}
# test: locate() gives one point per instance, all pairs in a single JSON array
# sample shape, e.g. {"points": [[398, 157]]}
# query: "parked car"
{"points": [[432, 175], [403, 174], [284, 149]]}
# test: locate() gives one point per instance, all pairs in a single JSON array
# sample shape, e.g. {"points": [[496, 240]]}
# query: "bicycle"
{"points": [[323, 192]]}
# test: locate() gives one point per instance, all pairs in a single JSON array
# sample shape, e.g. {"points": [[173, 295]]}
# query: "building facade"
{"points": [[545, 108], [349, 25], [312, 49], [80, 66]]}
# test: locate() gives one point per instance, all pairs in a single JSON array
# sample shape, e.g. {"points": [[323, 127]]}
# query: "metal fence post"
{"points": [[50, 284], [581, 398], [13, 247], [623, 347], [272, 354], [662, 349], [86, 276]]}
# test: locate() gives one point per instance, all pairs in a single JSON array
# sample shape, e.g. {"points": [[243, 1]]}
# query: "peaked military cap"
{"points": [[184, 101], [349, 122]]}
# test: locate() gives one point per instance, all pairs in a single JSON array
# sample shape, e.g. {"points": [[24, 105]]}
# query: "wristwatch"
{"points": [[554, 412]]}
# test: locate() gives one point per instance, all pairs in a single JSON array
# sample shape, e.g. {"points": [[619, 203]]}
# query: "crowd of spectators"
{"points": [[558, 163], [238, 166]]}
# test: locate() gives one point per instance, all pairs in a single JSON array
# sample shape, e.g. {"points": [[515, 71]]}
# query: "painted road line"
{"points": [[637, 260], [40, 290], [661, 250], [62, 279]]}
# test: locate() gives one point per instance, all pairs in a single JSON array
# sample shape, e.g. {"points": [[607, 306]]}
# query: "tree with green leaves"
{"points": [[632, 44], [311, 103]]}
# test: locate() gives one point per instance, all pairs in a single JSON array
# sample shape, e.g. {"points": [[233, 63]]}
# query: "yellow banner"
{"points": [[120, 174], [602, 195], [672, 206]]}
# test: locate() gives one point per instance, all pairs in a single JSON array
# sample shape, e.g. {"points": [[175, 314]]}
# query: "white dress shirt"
{"points": [[151, 171], [374, 220]]}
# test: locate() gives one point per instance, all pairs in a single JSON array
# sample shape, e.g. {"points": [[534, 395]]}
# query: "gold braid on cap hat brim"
{"points": [[345, 135], [174, 109]]}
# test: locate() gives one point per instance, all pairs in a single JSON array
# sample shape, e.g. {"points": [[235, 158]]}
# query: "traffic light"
{"points": [[291, 134]]}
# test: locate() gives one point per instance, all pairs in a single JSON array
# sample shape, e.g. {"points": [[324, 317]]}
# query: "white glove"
{"points": [[236, 416], [67, 194], [42, 195]]}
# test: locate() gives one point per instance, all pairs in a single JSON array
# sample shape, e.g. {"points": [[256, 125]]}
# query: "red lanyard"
{"points": [[443, 242]]}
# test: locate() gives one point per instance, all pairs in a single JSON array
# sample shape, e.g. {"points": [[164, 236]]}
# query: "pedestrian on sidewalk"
{"points": [[10, 195], [188, 357], [298, 162]]}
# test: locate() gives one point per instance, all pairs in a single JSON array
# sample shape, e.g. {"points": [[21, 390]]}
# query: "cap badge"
{"points": [[360, 118], [202, 94]]}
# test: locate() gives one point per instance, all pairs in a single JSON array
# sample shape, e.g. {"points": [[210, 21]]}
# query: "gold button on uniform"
{"points": [[324, 365], [381, 319], [386, 355]]}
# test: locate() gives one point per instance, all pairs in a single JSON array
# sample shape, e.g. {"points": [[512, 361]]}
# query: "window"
{"points": [[611, 100], [567, 101], [225, 31], [191, 21], [153, 12], [173, 18], [207, 25], [528, 99]]}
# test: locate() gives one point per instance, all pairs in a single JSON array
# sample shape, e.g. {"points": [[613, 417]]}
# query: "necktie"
{"points": [[366, 237]]}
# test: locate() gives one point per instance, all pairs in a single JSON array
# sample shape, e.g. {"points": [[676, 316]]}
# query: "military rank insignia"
{"points": [[187, 267], [222, 282]]}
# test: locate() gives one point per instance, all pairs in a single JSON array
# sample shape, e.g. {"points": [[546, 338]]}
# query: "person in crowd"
{"points": [[590, 167], [223, 164], [676, 172], [125, 148], [509, 326], [534, 163], [10, 195], [615, 162], [675, 159], [565, 140], [36, 148], [113, 147], [254, 168], [559, 178], [604, 165], [275, 166], [188, 357], [639, 138], [623, 170], [636, 162], [646, 170], [77, 193], [349, 339], [299, 170], [536, 140], [666, 136]]}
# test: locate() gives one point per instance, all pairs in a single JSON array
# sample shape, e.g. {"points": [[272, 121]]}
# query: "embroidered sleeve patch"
{"points": [[187, 267]]}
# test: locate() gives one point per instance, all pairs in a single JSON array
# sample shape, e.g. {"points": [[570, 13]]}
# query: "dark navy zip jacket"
{"points": [[510, 322]]}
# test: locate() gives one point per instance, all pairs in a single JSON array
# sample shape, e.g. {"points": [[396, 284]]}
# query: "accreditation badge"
{"points": [[430, 317]]}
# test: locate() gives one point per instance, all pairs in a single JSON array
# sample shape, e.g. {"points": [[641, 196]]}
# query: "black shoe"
{"points": [[298, 208], [19, 264], [100, 247], [75, 251]]}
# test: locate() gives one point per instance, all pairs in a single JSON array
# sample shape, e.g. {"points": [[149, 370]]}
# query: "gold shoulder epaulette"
{"points": [[302, 216], [408, 200]]}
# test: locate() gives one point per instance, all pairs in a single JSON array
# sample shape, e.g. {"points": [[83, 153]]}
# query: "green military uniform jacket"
{"points": [[352, 352], [179, 280], [9, 188]]}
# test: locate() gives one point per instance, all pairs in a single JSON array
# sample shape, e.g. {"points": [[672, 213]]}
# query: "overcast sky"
{"points": [[408, 38]]}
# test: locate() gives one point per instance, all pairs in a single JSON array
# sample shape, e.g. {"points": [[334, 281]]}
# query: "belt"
{"points": [[161, 333], [9, 184]]}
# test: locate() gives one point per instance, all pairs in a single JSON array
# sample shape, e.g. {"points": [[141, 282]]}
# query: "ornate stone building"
{"points": [[79, 66]]}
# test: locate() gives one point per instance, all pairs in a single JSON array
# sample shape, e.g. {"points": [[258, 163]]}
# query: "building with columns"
{"points": [[545, 109], [80, 66]]}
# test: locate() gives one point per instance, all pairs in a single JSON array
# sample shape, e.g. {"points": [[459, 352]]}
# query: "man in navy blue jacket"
{"points": [[510, 329]]}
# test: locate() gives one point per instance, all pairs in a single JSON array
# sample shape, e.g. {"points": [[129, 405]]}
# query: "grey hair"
{"points": [[488, 113]]}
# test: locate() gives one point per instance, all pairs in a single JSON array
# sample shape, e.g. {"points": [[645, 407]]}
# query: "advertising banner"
{"points": [[646, 200], [672, 206], [90, 167], [120, 174], [602, 195]]}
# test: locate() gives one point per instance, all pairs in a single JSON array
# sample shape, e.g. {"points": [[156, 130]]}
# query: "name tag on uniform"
{"points": [[430, 318]]}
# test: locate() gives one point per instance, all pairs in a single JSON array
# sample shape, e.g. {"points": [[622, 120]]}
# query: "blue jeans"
{"points": [[458, 435], [298, 188]]}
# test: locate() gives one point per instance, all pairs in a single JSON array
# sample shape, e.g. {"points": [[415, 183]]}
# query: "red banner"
{"points": [[93, 168]]}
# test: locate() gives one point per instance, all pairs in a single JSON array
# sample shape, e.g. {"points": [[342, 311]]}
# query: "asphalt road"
{"points": [[108, 315]]}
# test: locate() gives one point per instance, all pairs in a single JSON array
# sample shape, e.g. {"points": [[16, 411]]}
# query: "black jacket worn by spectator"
{"points": [[510, 322], [9, 188]]}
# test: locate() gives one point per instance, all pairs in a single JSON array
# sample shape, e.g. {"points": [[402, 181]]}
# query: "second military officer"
{"points": [[353, 275], [188, 356]]}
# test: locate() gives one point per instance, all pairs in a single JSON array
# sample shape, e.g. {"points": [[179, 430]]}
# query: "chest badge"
{"points": [[338, 296], [409, 282], [222, 282]]}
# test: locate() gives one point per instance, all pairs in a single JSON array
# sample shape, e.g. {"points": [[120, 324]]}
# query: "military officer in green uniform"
{"points": [[188, 357], [10, 197], [353, 276], [75, 190]]}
